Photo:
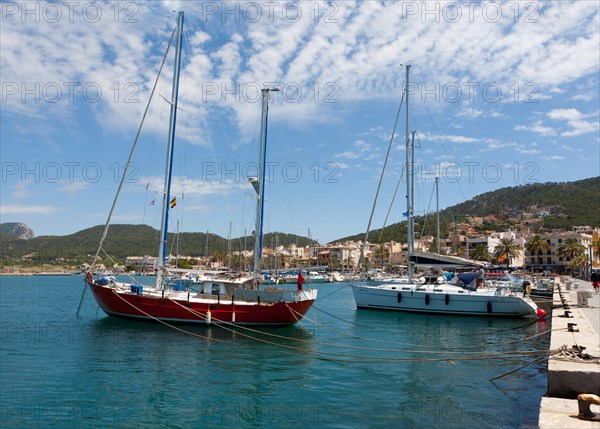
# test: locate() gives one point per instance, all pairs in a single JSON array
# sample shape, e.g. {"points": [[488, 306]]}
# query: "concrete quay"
{"points": [[576, 370]]}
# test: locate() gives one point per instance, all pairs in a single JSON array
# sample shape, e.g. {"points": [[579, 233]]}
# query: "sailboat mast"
{"points": [[409, 173], [260, 201], [162, 252], [437, 209], [412, 190], [229, 248]]}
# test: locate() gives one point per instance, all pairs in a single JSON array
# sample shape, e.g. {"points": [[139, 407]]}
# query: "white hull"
{"points": [[443, 299]]}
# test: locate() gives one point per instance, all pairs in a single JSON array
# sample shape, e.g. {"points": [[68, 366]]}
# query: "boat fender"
{"points": [[208, 317], [447, 299], [426, 299], [489, 307], [89, 278], [399, 296]]}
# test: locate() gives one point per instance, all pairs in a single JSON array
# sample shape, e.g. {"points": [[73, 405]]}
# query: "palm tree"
{"points": [[457, 250], [579, 263], [381, 254], [596, 246], [507, 247], [481, 253], [535, 246], [570, 249]]}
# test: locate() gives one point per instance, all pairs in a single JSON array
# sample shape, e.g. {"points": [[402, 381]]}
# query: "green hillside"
{"points": [[123, 241], [569, 203]]}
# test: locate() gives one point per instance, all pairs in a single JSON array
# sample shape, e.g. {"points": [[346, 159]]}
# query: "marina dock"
{"points": [[576, 369]]}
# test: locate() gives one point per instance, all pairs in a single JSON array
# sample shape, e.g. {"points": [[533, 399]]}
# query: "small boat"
{"points": [[316, 277], [219, 299], [542, 288]]}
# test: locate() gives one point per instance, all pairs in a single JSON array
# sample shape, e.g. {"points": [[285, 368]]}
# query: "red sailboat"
{"points": [[226, 299]]}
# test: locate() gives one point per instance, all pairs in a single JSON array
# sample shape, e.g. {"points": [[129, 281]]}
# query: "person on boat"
{"points": [[480, 277]]}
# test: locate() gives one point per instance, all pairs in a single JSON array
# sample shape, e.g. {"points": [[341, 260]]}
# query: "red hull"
{"points": [[150, 308]]}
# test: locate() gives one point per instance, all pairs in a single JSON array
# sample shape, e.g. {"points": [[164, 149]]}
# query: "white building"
{"points": [[493, 240]]}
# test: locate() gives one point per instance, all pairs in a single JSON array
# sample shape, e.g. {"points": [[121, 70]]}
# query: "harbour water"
{"points": [[339, 368]]}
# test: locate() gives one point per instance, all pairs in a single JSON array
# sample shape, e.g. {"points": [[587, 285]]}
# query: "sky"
{"points": [[500, 94]]}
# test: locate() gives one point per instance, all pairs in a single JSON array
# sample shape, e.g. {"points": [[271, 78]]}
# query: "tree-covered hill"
{"points": [[568, 204], [127, 240]]}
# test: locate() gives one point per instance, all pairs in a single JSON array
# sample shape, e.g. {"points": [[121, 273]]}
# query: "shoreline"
{"points": [[40, 273]]}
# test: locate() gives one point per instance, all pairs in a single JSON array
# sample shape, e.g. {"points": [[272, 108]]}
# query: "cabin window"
{"points": [[215, 289]]}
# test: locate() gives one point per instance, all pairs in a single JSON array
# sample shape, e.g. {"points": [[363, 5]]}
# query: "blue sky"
{"points": [[503, 94]]}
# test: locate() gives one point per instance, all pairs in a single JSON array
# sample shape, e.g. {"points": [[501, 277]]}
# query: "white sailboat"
{"points": [[442, 297]]}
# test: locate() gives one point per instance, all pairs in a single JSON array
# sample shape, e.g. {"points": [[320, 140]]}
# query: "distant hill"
{"points": [[16, 230], [568, 204], [126, 240]]}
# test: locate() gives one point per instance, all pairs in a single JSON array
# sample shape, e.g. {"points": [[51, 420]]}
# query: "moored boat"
{"points": [[238, 299], [442, 297]]}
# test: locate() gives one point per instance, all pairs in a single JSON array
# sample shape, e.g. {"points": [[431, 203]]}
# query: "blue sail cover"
{"points": [[468, 279]]}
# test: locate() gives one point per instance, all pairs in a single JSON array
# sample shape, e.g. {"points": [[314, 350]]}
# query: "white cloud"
{"points": [[451, 138], [537, 128], [576, 120], [358, 50], [74, 187], [26, 209], [348, 155], [470, 113]]}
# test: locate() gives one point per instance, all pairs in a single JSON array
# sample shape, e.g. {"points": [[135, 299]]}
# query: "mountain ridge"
{"points": [[567, 204]]}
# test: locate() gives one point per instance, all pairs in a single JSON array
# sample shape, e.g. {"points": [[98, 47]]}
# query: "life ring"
{"points": [[89, 278]]}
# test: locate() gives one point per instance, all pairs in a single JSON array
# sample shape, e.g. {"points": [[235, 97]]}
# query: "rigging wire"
{"points": [[361, 258], [125, 171], [427, 212], [391, 204]]}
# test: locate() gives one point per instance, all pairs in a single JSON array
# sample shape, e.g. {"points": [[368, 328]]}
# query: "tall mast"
{"points": [[206, 245], [260, 201], [437, 209], [409, 237], [162, 252], [229, 248], [412, 190]]}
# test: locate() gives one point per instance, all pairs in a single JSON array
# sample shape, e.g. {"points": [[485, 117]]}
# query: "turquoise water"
{"points": [[58, 370]]}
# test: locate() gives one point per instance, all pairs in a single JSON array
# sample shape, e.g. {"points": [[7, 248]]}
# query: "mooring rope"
{"points": [[329, 356]]}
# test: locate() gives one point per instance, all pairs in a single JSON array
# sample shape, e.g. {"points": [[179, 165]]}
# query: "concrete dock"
{"points": [[576, 369]]}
